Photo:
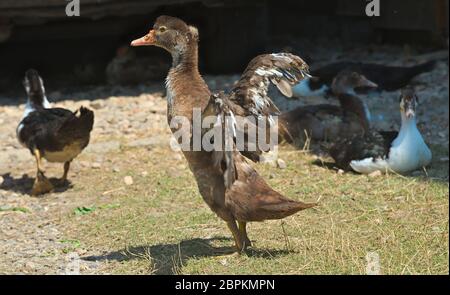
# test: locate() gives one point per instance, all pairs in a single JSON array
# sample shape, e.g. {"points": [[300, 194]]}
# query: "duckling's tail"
{"points": [[78, 126], [285, 208], [277, 206], [86, 119]]}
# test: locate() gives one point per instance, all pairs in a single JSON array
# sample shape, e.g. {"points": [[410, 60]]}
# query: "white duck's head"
{"points": [[408, 103]]}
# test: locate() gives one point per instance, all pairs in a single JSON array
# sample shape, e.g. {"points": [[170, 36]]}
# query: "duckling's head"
{"points": [[408, 102], [34, 86], [347, 81], [170, 33]]}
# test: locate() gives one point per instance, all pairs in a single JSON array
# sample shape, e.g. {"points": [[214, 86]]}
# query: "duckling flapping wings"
{"points": [[247, 106], [250, 95]]}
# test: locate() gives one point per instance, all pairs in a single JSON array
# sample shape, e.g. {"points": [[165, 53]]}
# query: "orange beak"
{"points": [[147, 40]]}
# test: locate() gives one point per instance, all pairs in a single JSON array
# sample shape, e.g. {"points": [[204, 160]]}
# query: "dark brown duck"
{"points": [[326, 122]]}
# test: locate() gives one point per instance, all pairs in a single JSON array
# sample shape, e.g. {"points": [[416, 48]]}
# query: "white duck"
{"points": [[401, 152]]}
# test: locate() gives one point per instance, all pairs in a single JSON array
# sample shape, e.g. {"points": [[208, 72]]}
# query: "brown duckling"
{"points": [[326, 122], [227, 183]]}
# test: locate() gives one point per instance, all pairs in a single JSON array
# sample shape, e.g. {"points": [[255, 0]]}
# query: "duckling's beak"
{"points": [[147, 40], [410, 112], [364, 82]]}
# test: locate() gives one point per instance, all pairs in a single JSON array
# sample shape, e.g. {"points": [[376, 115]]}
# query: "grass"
{"points": [[160, 224], [14, 209]]}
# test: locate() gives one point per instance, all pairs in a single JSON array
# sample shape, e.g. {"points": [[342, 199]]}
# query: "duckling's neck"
{"points": [[339, 89], [408, 131], [352, 103], [185, 57], [36, 102], [184, 71], [408, 123], [185, 86]]}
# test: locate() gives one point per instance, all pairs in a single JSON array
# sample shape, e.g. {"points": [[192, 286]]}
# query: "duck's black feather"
{"points": [[53, 129], [387, 77], [78, 126], [373, 144]]}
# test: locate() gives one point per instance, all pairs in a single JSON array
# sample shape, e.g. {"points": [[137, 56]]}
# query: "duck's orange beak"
{"points": [[147, 40]]}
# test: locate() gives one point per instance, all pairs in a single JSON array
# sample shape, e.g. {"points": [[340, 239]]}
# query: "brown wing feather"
{"points": [[251, 92], [249, 98]]}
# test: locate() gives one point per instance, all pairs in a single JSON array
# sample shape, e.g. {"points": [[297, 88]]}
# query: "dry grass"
{"points": [[160, 224]]}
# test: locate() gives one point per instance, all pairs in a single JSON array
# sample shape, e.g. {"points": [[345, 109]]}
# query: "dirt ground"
{"points": [[132, 203]]}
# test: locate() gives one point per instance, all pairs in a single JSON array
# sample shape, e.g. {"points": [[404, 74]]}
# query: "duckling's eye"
{"points": [[162, 29]]}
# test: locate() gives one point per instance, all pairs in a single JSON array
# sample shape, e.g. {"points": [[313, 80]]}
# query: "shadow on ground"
{"points": [[24, 184], [167, 259]]}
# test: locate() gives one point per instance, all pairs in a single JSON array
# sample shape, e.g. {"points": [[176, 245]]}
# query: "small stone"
{"points": [[223, 262], [128, 180], [272, 175], [178, 156], [436, 229], [96, 165], [111, 121], [96, 105], [84, 163], [116, 169], [144, 173], [375, 174], [281, 164], [341, 172], [30, 264]]}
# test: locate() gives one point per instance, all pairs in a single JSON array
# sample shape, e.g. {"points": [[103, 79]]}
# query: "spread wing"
{"points": [[250, 95], [250, 103], [249, 100]]}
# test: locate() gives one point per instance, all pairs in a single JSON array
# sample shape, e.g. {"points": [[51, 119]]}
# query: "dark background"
{"points": [[76, 50]]}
